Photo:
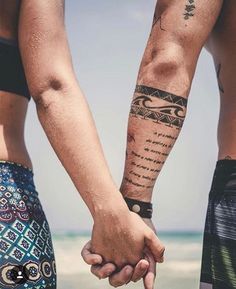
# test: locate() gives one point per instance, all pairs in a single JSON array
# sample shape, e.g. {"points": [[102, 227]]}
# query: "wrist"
{"points": [[110, 208], [143, 209], [141, 195]]}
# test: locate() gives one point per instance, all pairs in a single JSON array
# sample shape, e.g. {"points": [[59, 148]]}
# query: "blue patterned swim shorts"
{"points": [[26, 252]]}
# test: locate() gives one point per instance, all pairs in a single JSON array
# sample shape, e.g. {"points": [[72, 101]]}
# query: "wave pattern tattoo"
{"points": [[171, 115], [146, 90]]}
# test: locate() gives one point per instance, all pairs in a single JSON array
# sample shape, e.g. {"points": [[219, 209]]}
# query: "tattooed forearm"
{"points": [[221, 88], [164, 145], [156, 117], [144, 106], [130, 137], [148, 159], [189, 9], [134, 183], [168, 136], [154, 92], [155, 152]]}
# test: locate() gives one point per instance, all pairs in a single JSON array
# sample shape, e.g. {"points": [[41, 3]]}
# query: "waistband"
{"points": [[226, 165], [15, 172], [7, 41], [224, 173], [16, 165]]}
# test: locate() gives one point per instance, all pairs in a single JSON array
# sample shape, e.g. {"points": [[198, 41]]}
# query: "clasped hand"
{"points": [[123, 248]]}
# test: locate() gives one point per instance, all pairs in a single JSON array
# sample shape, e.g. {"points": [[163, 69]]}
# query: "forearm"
{"points": [[69, 126], [159, 105], [61, 106], [156, 117], [150, 140]]}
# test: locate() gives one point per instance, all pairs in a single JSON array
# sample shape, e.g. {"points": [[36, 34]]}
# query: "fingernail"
{"points": [[96, 261], [128, 270], [144, 266], [108, 273]]}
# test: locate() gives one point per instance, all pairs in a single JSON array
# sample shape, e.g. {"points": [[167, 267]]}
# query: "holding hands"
{"points": [[124, 248]]}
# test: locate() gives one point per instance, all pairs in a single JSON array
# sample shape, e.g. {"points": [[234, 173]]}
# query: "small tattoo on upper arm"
{"points": [[221, 88], [157, 19], [189, 9]]}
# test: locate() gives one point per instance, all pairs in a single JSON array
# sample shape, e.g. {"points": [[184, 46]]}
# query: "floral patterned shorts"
{"points": [[26, 252]]}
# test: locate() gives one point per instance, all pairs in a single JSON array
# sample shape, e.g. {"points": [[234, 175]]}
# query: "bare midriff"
{"points": [[13, 110], [13, 107]]}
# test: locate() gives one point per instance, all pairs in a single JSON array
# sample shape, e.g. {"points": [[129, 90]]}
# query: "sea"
{"points": [[181, 269]]}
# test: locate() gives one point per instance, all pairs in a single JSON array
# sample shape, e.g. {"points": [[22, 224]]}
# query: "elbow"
{"points": [[49, 92], [167, 67]]}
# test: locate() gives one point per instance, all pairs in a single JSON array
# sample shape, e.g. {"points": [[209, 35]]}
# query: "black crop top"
{"points": [[12, 75]]}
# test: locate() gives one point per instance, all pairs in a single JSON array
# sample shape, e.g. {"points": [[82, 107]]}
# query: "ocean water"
{"points": [[181, 269]]}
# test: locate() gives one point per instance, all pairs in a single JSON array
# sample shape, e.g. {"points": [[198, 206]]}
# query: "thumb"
{"points": [[155, 246], [89, 257]]}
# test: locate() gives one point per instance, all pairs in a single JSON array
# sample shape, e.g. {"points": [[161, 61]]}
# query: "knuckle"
{"points": [[121, 262], [150, 235], [138, 275], [103, 275], [135, 279], [162, 250], [93, 260]]}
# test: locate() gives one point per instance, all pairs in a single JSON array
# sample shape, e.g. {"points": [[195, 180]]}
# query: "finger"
{"points": [[89, 257], [121, 278], [150, 277], [140, 270], [103, 271], [156, 247]]}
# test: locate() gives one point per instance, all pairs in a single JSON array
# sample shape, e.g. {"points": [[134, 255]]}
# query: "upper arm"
{"points": [[9, 18], [43, 45]]}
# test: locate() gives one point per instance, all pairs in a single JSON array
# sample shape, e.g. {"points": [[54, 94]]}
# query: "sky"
{"points": [[107, 39]]}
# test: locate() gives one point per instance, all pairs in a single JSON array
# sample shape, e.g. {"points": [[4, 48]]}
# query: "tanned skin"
{"points": [[12, 107], [180, 30], [222, 46], [67, 121], [159, 105]]}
